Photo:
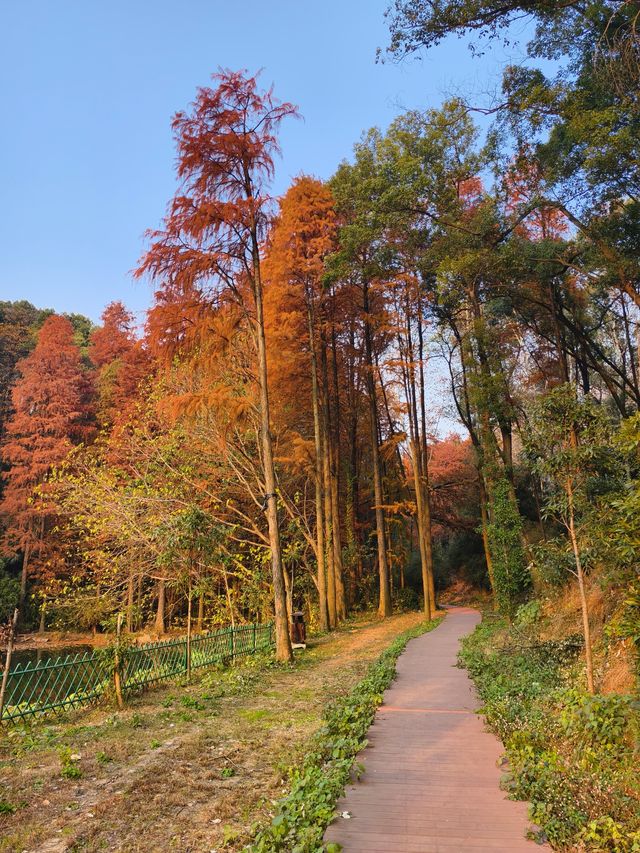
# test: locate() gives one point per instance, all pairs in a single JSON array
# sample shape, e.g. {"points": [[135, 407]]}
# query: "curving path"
{"points": [[431, 780]]}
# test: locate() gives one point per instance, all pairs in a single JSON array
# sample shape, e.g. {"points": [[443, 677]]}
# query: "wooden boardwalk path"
{"points": [[431, 781]]}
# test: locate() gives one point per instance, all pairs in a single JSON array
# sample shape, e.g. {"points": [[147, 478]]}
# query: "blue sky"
{"points": [[88, 90]]}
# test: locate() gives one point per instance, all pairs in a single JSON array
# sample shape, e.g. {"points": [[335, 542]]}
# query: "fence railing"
{"points": [[77, 680]]}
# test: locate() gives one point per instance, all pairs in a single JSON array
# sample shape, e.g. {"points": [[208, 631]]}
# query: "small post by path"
{"points": [[13, 624]]}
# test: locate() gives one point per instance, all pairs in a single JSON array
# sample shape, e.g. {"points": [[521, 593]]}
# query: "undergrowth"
{"points": [[573, 755], [302, 816]]}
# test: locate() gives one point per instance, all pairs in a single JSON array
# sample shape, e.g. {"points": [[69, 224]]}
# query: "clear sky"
{"points": [[88, 88]]}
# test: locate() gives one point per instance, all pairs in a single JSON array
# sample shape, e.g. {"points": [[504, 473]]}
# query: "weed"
{"points": [[137, 721], [227, 772], [190, 702], [68, 760]]}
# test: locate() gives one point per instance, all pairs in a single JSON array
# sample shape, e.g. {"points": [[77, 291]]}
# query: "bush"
{"points": [[9, 596], [406, 599], [571, 754]]}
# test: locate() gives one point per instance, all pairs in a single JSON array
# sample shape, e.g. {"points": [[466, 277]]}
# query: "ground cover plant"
{"points": [[573, 755]]}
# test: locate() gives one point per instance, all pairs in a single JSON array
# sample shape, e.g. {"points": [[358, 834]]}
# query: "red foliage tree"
{"points": [[114, 338], [122, 362], [52, 412], [213, 234]]}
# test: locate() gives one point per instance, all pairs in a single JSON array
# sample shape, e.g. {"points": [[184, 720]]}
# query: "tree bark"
{"points": [[24, 576], [583, 596], [161, 606], [320, 547], [384, 607], [283, 640]]}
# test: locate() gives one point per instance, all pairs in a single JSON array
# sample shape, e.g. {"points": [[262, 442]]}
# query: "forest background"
{"points": [[267, 442]]}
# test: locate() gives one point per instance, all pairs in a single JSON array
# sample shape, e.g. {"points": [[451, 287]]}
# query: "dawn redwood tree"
{"points": [[213, 235], [303, 236], [110, 351], [51, 414], [114, 338]]}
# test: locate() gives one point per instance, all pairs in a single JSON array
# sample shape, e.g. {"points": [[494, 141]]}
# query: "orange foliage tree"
{"points": [[212, 237], [304, 234], [52, 412]]}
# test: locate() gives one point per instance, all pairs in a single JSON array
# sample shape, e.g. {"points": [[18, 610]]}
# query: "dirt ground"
{"points": [[183, 767]]}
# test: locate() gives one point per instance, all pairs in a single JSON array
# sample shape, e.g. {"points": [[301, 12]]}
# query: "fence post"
{"points": [[254, 636], [7, 664], [116, 665]]}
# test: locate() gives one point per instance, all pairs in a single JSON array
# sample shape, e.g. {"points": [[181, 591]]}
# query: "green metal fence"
{"points": [[77, 680]]}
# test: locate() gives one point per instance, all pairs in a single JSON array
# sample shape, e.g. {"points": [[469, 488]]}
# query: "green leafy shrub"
{"points": [[9, 595], [572, 755], [406, 599]]}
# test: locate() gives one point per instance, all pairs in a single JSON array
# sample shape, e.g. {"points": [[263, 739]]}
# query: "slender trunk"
{"points": [[283, 641], [161, 606], [43, 618], [289, 594], [426, 587], [320, 547], [200, 620], [424, 469], [130, 591], [328, 535], [484, 515], [583, 596], [341, 603], [341, 607], [24, 576], [117, 678], [384, 607], [327, 488]]}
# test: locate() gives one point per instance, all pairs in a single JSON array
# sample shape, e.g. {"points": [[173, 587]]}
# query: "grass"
{"points": [[164, 785], [573, 756]]}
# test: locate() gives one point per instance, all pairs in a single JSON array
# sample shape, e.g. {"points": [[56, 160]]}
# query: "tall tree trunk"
{"points": [[341, 603], [583, 596], [426, 586], [332, 585], [24, 574], [283, 640], [328, 533], [161, 606], [424, 466], [384, 607], [484, 515], [130, 591], [200, 619], [320, 546]]}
